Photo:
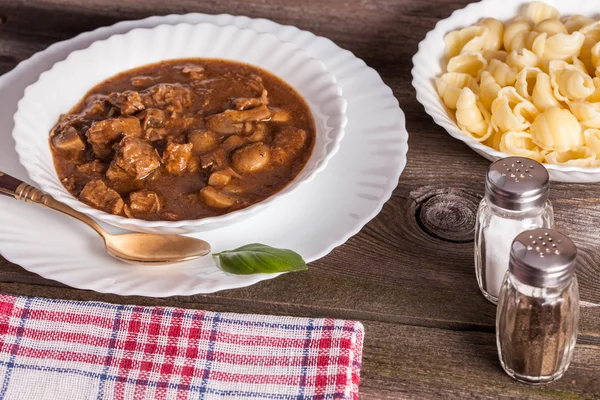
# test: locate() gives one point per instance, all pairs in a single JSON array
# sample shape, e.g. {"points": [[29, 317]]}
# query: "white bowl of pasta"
{"points": [[525, 82]]}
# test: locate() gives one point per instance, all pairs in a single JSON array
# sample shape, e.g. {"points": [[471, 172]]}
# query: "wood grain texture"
{"points": [[448, 214], [409, 273]]}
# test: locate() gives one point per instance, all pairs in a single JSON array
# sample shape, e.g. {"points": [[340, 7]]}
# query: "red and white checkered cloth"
{"points": [[65, 350]]}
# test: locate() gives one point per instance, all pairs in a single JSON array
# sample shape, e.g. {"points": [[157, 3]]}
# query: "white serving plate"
{"points": [[313, 221], [67, 82], [428, 64]]}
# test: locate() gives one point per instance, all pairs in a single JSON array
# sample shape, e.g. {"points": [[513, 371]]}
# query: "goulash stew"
{"points": [[183, 139]]}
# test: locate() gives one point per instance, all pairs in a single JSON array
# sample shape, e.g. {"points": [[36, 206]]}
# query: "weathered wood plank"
{"points": [[416, 363]]}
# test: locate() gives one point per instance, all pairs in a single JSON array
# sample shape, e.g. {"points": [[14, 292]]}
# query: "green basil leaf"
{"points": [[258, 258]]}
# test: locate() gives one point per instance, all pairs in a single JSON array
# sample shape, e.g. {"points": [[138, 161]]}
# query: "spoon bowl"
{"points": [[149, 249]]}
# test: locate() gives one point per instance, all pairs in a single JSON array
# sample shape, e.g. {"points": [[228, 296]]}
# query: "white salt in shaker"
{"points": [[516, 200]]}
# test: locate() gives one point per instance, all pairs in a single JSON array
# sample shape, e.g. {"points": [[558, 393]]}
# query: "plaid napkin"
{"points": [[58, 349]]}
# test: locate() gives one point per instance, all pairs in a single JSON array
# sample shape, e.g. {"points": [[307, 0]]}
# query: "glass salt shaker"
{"points": [[516, 199], [538, 310]]}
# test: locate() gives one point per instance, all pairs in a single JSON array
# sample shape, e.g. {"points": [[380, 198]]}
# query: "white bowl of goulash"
{"points": [[517, 77], [179, 129]]}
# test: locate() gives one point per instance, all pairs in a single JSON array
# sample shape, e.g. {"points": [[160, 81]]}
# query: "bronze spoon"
{"points": [[133, 248]]}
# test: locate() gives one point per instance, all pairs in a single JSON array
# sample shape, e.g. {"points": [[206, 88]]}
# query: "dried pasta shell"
{"points": [[450, 84], [556, 129], [578, 156], [591, 34], [523, 59], [577, 63], [515, 35], [512, 112], [526, 81], [576, 22], [543, 95], [595, 58], [539, 11], [494, 34], [503, 74], [470, 117], [467, 63], [551, 27], [561, 46], [588, 114], [569, 82], [520, 144], [469, 39], [595, 97], [488, 89], [537, 43], [592, 141]]}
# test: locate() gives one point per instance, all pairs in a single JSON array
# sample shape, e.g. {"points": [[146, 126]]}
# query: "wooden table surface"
{"points": [[408, 275]]}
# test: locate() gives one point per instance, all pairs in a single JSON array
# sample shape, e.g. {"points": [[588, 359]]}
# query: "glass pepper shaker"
{"points": [[516, 199], [538, 310]]}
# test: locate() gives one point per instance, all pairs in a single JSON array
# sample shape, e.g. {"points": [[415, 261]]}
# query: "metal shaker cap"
{"points": [[542, 258], [517, 183]]}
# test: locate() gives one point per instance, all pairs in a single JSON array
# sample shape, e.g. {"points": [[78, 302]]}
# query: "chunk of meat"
{"points": [[280, 156], [142, 202], [152, 118], [287, 143], [68, 141], [98, 195], [216, 199], [228, 121], [103, 134], [222, 178], [215, 158], [290, 139], [137, 157], [251, 158], [93, 167], [203, 140], [65, 121], [246, 103], [170, 126], [176, 157], [155, 134], [128, 102], [232, 143], [152, 121], [171, 96], [115, 173], [97, 107], [195, 72]]}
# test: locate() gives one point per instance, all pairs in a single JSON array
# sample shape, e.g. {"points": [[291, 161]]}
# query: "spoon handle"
{"points": [[8, 184], [13, 187]]}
